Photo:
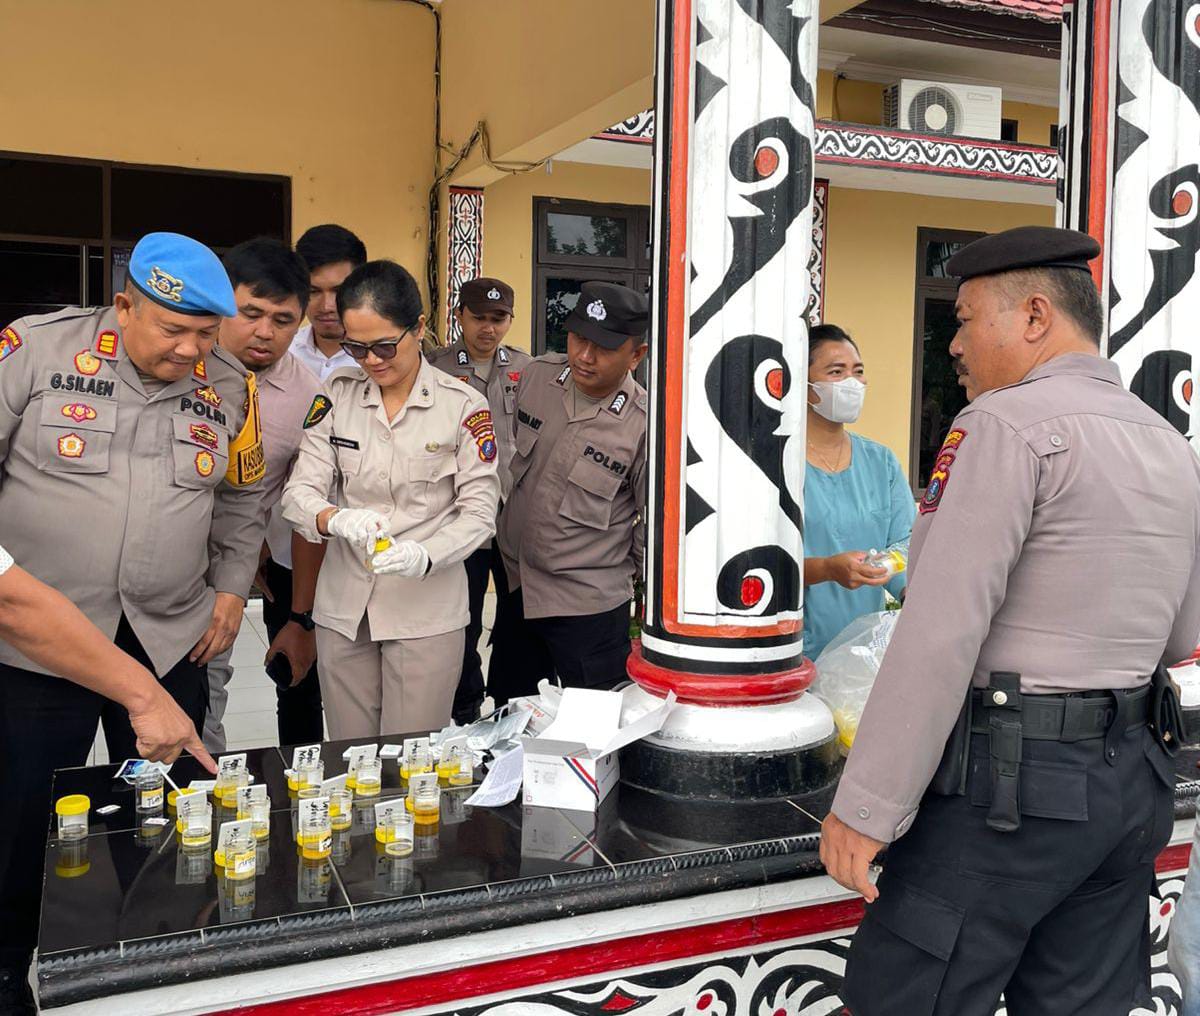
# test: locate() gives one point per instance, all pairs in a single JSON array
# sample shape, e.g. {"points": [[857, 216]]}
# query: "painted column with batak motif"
{"points": [[733, 185]]}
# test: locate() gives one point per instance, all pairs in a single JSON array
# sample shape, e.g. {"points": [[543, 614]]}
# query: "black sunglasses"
{"points": [[385, 349]]}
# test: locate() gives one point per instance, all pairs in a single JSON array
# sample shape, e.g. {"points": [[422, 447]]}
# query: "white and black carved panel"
{"points": [[816, 259], [1154, 207], [846, 143], [639, 127], [466, 248], [797, 980]]}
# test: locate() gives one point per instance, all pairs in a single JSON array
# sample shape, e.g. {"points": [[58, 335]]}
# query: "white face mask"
{"points": [[839, 401]]}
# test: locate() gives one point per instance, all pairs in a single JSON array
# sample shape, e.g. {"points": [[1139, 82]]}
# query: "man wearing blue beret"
{"points": [[131, 455]]}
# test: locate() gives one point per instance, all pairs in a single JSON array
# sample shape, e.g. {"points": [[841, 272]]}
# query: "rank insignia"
{"points": [[317, 412], [501, 353], [10, 342], [940, 476], [204, 463], [200, 371], [514, 376], [79, 412], [463, 359], [562, 377], [209, 395], [106, 345], [203, 434], [87, 363], [71, 446], [618, 403], [166, 285]]}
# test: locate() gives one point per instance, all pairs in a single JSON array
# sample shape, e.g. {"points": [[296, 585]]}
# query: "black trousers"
{"points": [[588, 651], [298, 709], [470, 692], [48, 723], [1053, 915]]}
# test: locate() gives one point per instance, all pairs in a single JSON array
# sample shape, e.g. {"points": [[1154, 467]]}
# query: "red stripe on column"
{"points": [[1098, 153], [562, 964]]}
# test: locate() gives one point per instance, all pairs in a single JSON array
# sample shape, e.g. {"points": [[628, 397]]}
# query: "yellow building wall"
{"points": [[854, 101], [508, 222], [870, 261], [338, 96]]}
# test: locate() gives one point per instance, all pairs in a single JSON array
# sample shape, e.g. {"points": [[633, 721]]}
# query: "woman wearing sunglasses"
{"points": [[397, 470]]}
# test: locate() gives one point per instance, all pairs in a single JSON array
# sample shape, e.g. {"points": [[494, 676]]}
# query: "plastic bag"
{"points": [[846, 670]]}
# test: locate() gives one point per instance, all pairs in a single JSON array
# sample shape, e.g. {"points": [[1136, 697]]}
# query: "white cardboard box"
{"points": [[573, 764]]}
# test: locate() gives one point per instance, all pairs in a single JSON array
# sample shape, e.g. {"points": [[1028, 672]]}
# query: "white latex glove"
{"points": [[357, 526], [406, 557]]}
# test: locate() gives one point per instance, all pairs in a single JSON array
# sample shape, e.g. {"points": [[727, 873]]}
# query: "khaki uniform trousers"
{"points": [[394, 686]]}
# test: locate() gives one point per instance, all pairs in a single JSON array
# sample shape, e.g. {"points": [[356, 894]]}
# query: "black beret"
{"points": [[1023, 247]]}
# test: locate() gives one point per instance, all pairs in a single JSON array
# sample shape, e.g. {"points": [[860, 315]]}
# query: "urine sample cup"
{"points": [[197, 827], [316, 832], [240, 856], [464, 773], [309, 780], [416, 760], [260, 815], [341, 808], [394, 829], [226, 792], [72, 860], [427, 804], [148, 791], [72, 812], [368, 778]]}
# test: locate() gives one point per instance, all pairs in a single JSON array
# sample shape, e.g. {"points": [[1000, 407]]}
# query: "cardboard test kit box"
{"points": [[573, 763]]}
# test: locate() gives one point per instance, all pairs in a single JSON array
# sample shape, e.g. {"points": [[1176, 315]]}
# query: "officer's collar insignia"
{"points": [[424, 392], [463, 359], [71, 446], [501, 353], [464, 378], [209, 395], [204, 463], [200, 371], [203, 434], [106, 345], [10, 342], [317, 411], [618, 403], [80, 412], [493, 293], [562, 378], [87, 363], [165, 285], [596, 310], [940, 476]]}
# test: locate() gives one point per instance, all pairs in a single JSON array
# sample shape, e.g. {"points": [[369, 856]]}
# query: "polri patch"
{"points": [[204, 463], [71, 446], [940, 476], [480, 426], [79, 412], [209, 395], [87, 363], [10, 342], [317, 411]]}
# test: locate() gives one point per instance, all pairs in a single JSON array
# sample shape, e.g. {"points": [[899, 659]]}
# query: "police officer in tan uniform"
{"points": [[131, 458], [1054, 569], [480, 359], [403, 452], [571, 532]]}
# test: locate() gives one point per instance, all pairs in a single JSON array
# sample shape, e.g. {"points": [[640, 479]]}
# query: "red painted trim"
{"points": [[719, 938], [1173, 858], [719, 689], [626, 139], [1099, 130]]}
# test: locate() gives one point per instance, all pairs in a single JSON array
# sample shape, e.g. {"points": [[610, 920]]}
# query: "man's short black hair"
{"points": [[1073, 292], [330, 244], [270, 269]]}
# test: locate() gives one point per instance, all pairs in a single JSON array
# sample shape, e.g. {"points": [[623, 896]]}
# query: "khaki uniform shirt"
{"points": [[571, 533], [1058, 539], [286, 391], [431, 471], [498, 385], [117, 497]]}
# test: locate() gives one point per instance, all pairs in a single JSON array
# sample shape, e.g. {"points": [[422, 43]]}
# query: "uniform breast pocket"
{"points": [[588, 499], [522, 453], [200, 451], [431, 480], [75, 435]]}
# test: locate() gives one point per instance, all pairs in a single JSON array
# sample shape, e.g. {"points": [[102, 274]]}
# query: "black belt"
{"points": [[1064, 717]]}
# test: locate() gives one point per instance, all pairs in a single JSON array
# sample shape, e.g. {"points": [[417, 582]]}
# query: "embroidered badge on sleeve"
{"points": [[10, 342], [317, 411], [941, 471], [480, 426]]}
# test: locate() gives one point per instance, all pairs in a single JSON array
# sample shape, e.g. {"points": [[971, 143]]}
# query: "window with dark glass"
{"points": [[67, 226], [937, 396]]}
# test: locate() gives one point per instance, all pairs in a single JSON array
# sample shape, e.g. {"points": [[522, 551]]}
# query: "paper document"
{"points": [[502, 782]]}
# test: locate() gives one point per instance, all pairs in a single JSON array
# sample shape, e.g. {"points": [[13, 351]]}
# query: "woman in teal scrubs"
{"points": [[856, 497]]}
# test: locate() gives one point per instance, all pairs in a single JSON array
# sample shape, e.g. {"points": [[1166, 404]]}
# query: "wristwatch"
{"points": [[304, 620]]}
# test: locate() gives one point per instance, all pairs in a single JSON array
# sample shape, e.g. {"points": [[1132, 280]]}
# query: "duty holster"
{"points": [[1003, 698], [1166, 713]]}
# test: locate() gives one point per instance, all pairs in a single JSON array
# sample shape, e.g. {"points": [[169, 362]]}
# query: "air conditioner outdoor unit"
{"points": [[940, 107]]}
